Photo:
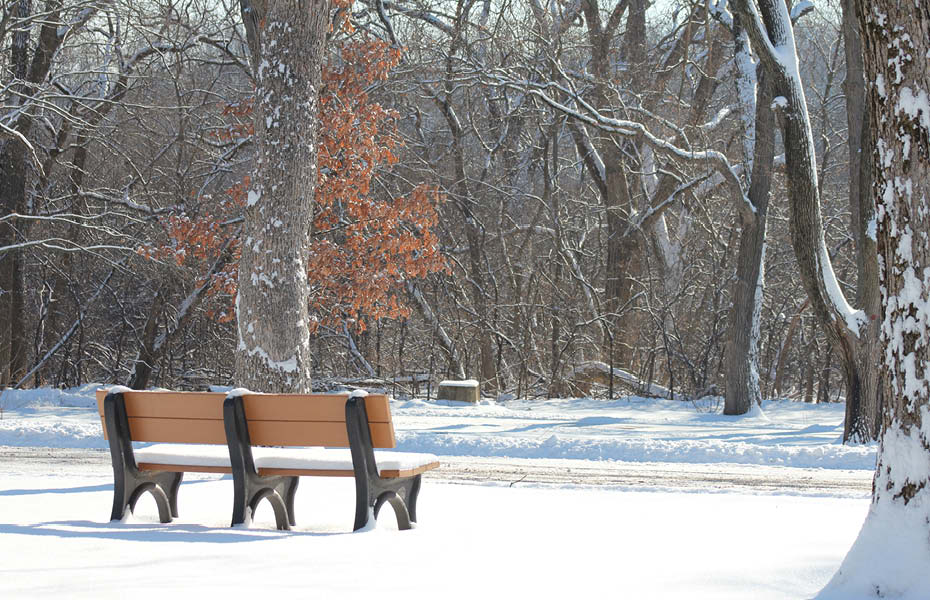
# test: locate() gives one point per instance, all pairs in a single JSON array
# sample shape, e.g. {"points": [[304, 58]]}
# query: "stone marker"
{"points": [[463, 391]]}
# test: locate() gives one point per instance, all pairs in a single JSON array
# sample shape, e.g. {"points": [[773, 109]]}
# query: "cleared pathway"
{"points": [[522, 472]]}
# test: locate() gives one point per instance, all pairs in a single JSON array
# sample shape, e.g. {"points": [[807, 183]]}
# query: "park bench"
{"points": [[266, 441]]}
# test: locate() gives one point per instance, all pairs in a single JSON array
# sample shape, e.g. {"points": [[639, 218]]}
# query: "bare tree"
{"points": [[863, 413]]}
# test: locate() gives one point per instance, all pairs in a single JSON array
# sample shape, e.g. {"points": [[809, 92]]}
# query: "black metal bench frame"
{"points": [[129, 482]]}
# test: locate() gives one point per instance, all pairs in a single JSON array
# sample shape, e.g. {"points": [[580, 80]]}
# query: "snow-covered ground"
{"points": [[490, 539], [788, 434]]}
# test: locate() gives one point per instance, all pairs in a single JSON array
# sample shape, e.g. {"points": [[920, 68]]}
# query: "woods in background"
{"points": [[551, 197]]}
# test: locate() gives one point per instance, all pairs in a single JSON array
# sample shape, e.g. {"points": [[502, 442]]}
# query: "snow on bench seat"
{"points": [[283, 461]]}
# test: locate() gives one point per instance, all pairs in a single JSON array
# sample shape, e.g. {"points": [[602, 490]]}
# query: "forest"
{"points": [[562, 198]]}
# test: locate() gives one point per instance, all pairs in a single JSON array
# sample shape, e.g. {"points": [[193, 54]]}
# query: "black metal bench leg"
{"points": [[161, 499], [400, 509], [130, 484], [119, 502], [277, 504], [240, 500], [363, 503], [413, 491], [173, 486], [250, 490], [289, 500]]}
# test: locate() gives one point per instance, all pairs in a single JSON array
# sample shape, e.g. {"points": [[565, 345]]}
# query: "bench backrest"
{"points": [[274, 419]]}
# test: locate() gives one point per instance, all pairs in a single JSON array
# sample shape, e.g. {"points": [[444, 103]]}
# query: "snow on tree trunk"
{"points": [[891, 556], [286, 39]]}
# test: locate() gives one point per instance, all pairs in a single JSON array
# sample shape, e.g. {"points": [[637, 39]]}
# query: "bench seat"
{"points": [[335, 462]]}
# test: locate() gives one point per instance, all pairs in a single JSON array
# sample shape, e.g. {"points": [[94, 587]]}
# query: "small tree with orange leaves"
{"points": [[364, 245]]}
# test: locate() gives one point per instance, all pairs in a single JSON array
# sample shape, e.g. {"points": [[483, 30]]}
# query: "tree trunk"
{"points": [[896, 37], [772, 34], [13, 200], [13, 342], [863, 414], [145, 361], [743, 333], [273, 353]]}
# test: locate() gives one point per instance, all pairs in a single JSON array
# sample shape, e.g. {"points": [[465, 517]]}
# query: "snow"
{"points": [[466, 383], [649, 540], [338, 459], [782, 433], [855, 319], [890, 557], [470, 542], [896, 538], [915, 105]]}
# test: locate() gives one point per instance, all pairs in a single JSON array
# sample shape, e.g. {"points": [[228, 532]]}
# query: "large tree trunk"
{"points": [[896, 36], [287, 40], [13, 165], [743, 332], [13, 341], [863, 414]]}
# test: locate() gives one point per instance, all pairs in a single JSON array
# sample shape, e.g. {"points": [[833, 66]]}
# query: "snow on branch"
{"points": [[800, 9], [599, 370], [10, 132], [591, 116]]}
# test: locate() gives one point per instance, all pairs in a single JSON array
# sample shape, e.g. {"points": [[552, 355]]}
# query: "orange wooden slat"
{"points": [[305, 433], [311, 407], [176, 405], [182, 468], [265, 472], [386, 473], [177, 431]]}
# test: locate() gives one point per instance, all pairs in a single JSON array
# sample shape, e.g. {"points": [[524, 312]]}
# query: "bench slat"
{"points": [[179, 405], [270, 471], [179, 431], [271, 407], [386, 473], [304, 433], [183, 468], [316, 407], [262, 433]]}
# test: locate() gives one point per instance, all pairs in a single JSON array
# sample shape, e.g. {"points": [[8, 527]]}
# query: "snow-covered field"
{"points": [[490, 539], [788, 434]]}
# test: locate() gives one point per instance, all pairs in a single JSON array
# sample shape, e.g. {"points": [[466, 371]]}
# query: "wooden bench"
{"points": [[266, 441]]}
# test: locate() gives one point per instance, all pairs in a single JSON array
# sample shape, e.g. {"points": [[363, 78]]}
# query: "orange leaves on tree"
{"points": [[364, 245]]}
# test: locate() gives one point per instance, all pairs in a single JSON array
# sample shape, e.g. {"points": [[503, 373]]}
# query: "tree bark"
{"points": [[743, 333], [896, 37], [625, 245], [12, 320], [13, 171], [287, 44]]}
